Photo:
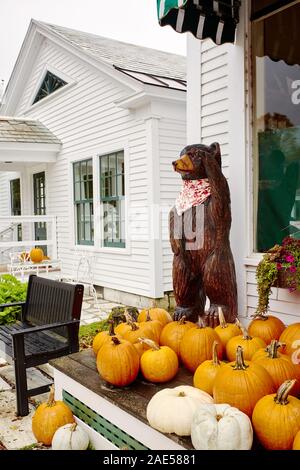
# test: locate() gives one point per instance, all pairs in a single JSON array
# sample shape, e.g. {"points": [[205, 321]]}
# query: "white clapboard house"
{"points": [[89, 128], [243, 75]]}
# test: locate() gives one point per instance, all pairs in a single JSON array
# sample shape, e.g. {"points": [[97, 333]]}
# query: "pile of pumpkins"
{"points": [[53, 424], [245, 377]]}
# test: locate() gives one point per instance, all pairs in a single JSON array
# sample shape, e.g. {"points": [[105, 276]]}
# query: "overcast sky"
{"points": [[132, 21]]}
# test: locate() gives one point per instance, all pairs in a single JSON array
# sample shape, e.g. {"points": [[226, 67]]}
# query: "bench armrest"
{"points": [[50, 326], [12, 304]]}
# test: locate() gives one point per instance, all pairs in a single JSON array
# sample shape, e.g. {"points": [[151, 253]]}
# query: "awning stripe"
{"points": [[215, 19]]}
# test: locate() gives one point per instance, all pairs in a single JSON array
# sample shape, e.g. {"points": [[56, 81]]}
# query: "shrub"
{"points": [[11, 290]]}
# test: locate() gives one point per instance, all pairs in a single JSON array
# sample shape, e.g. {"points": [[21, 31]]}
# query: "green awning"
{"points": [[215, 19]]}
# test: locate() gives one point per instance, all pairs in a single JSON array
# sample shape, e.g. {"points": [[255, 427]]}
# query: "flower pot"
{"points": [[285, 279]]}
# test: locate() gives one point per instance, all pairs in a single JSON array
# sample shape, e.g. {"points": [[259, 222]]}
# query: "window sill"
{"points": [[108, 250], [253, 260]]}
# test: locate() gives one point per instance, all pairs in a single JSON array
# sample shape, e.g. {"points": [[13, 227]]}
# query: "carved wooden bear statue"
{"points": [[199, 226]]}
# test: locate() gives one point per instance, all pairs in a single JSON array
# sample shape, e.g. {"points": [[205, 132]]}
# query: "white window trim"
{"points": [[70, 82], [95, 153]]}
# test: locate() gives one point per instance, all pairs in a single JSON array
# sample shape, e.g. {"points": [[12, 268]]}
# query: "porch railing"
{"points": [[9, 243]]}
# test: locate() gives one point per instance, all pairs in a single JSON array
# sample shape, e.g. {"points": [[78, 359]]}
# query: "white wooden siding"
{"points": [[172, 139], [84, 117]]}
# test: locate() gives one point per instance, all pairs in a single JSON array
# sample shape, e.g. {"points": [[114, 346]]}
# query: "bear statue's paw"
{"points": [[190, 313], [211, 317]]}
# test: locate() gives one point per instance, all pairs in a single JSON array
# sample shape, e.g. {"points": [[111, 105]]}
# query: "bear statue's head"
{"points": [[190, 164]]}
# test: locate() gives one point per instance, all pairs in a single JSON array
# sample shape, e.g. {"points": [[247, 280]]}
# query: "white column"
{"points": [[193, 90], [238, 165], [154, 229]]}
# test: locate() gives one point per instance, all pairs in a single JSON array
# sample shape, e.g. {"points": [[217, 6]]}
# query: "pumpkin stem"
{"points": [[240, 363], [182, 320], [148, 318], [150, 343], [115, 340], [133, 326], [181, 394], [215, 359], [260, 316], [111, 331], [272, 349], [222, 320], [282, 393], [51, 400], [73, 427], [243, 330]]}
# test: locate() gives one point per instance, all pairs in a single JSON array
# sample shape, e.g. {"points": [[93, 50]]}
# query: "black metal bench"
{"points": [[48, 329]]}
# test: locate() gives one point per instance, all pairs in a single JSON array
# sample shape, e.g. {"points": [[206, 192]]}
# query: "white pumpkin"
{"points": [[171, 410], [221, 427], [70, 437]]}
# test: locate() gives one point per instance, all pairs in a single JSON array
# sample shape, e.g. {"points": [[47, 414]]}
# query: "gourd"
{"points": [[279, 366], [291, 338], [48, 417], [206, 373], [224, 330], [70, 437], [36, 255], [103, 337], [221, 427], [196, 346], [118, 362], [266, 327], [242, 384], [276, 418], [250, 345], [159, 314], [296, 444], [173, 333], [171, 410], [159, 364]]}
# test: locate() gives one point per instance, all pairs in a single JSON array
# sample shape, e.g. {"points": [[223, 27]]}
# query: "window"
{"points": [[112, 195], [83, 201], [50, 84], [15, 203], [276, 91]]}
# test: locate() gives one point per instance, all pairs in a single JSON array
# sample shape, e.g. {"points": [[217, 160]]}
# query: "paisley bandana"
{"points": [[194, 193]]}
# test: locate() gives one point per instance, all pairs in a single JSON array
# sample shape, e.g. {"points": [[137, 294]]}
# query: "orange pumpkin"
{"points": [[138, 330], [118, 362], [159, 314], [173, 333], [154, 326], [226, 331], [206, 373], [197, 345], [250, 345], [279, 366], [48, 417], [241, 384], [36, 255], [291, 338], [276, 418], [266, 327], [296, 444], [159, 364], [102, 338]]}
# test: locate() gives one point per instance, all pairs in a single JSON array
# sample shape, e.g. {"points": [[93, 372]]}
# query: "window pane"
{"points": [[90, 169], [277, 127], [87, 222], [77, 171], [77, 191], [112, 164], [120, 170]]}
